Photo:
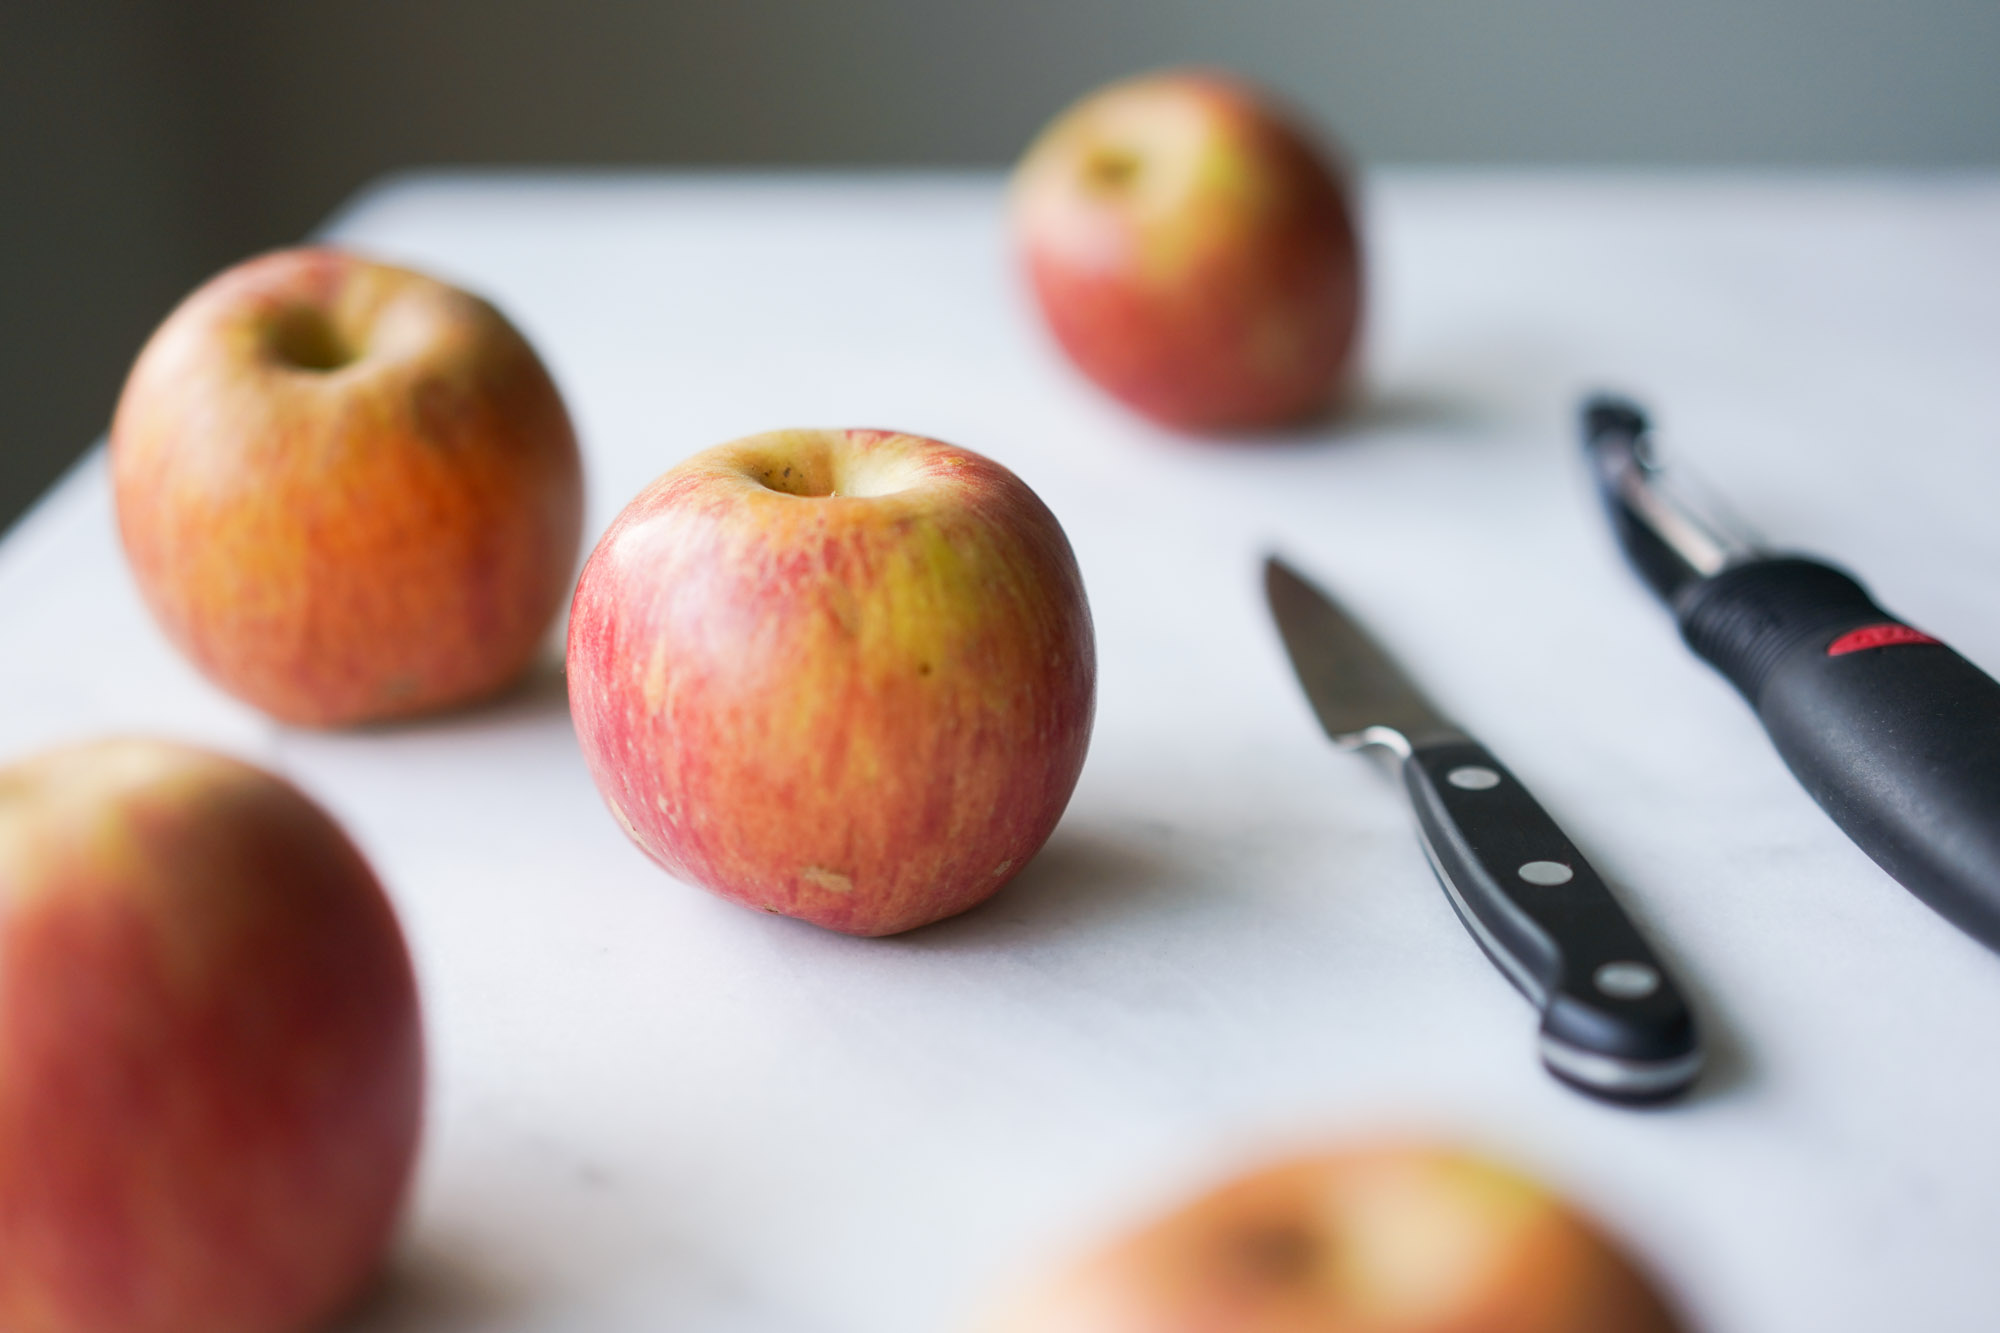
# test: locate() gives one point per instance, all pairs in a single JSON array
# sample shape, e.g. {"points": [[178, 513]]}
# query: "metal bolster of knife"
{"points": [[1400, 742]]}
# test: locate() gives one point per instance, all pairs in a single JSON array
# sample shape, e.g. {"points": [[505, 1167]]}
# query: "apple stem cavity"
{"points": [[822, 469], [304, 338], [1111, 169]]}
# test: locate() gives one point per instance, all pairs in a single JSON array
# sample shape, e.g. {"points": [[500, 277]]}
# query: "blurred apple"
{"points": [[349, 492], [1193, 251], [211, 1068], [1387, 1239], [845, 675]]}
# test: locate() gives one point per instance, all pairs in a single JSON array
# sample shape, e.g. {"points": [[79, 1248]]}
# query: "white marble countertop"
{"points": [[651, 1109]]}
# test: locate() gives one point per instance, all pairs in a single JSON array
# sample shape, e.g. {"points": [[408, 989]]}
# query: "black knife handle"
{"points": [[1894, 734], [1612, 1019]]}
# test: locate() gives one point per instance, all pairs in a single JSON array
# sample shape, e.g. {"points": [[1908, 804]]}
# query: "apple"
{"points": [[1375, 1239], [1192, 250], [349, 492], [844, 675], [211, 1065]]}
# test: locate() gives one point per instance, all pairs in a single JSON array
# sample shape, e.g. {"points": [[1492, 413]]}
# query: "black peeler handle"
{"points": [[1893, 733]]}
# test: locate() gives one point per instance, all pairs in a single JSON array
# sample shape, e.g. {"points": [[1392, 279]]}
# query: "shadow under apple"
{"points": [[1086, 874], [539, 693], [1370, 411], [432, 1286]]}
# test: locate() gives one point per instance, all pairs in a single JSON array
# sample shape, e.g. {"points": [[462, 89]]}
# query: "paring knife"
{"points": [[1613, 1022], [1894, 734]]}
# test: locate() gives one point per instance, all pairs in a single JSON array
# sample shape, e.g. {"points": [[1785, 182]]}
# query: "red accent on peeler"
{"points": [[1875, 636]]}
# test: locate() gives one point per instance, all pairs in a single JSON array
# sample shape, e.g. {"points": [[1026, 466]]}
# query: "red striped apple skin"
{"points": [[348, 492], [847, 676], [211, 1063], [1193, 252]]}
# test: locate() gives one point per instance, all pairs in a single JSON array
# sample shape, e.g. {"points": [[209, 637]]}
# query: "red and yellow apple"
{"points": [[1378, 1239], [844, 675], [1193, 251], [211, 1066], [349, 492]]}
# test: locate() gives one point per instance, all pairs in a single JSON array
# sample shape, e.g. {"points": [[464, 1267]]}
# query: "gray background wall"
{"points": [[144, 145]]}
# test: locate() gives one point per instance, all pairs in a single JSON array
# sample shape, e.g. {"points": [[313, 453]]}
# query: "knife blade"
{"points": [[1896, 736], [1613, 1022]]}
